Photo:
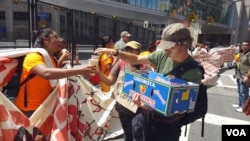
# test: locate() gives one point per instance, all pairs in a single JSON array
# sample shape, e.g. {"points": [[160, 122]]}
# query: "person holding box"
{"points": [[171, 53]]}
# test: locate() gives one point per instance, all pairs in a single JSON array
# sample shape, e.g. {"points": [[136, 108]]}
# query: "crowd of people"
{"points": [[172, 52], [163, 55], [241, 66]]}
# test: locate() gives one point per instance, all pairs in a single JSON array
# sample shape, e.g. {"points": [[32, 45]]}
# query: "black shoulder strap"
{"points": [[30, 76], [185, 67], [25, 102], [27, 79]]}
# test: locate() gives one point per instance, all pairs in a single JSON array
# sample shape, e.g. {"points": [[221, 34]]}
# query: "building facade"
{"points": [[83, 22]]}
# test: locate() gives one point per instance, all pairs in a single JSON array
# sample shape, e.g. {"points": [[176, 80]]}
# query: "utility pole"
{"points": [[32, 6]]}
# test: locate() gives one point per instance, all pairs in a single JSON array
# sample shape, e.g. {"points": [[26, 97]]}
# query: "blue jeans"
{"points": [[132, 123], [243, 91]]}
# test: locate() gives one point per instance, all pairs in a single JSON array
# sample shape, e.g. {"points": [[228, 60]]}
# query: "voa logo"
{"points": [[236, 132]]}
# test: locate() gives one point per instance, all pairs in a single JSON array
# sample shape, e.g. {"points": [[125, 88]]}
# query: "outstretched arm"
{"points": [[125, 56], [57, 73]]}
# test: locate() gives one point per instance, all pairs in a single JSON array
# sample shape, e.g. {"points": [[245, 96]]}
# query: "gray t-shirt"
{"points": [[120, 45], [244, 65], [165, 64]]}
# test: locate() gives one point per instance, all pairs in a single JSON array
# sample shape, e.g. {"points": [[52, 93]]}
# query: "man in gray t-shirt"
{"points": [[243, 76]]}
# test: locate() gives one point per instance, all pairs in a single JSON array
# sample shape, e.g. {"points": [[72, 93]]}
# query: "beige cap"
{"points": [[134, 45], [126, 33], [172, 34]]}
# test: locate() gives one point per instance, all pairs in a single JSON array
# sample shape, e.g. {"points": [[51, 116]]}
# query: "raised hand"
{"points": [[108, 51]]}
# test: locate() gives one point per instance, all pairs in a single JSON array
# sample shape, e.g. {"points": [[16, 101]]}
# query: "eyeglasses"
{"points": [[54, 36]]}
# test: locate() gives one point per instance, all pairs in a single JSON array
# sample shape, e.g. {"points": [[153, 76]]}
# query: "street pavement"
{"points": [[222, 93]]}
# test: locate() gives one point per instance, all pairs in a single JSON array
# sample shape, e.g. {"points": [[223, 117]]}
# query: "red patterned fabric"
{"points": [[7, 69], [75, 110], [213, 60]]}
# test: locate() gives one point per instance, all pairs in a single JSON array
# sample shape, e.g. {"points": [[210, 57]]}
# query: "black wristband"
{"points": [[117, 52]]}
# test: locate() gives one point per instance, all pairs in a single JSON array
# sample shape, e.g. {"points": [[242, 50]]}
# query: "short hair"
{"points": [[38, 36], [246, 41], [151, 46], [106, 39], [62, 40]]}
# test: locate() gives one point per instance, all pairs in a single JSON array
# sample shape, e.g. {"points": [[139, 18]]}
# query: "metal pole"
{"points": [[70, 39], [32, 15], [96, 23], [35, 14], [29, 31], [114, 29]]}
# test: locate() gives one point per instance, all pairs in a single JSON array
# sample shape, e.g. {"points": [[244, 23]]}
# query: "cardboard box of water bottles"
{"points": [[163, 94]]}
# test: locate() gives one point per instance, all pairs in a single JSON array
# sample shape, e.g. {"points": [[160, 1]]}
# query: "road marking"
{"points": [[215, 120], [220, 84], [231, 77], [219, 120]]}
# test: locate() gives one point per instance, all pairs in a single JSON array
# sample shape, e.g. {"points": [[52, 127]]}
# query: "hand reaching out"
{"points": [[87, 70], [108, 51]]}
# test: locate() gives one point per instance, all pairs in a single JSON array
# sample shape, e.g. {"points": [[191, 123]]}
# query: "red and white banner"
{"points": [[70, 113], [75, 111]]}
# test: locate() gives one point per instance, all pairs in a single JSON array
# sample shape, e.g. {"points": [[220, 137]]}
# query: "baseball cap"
{"points": [[126, 33], [133, 44], [172, 34]]}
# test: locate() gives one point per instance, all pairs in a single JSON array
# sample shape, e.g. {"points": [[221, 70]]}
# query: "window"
{"points": [[2, 15], [44, 16], [21, 16]]}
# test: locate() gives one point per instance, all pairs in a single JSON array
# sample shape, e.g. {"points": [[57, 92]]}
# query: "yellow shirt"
{"points": [[236, 58], [145, 53], [104, 62], [38, 88]]}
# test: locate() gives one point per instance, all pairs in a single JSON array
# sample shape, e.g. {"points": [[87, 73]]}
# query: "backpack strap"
{"points": [[202, 125], [25, 102], [30, 76], [178, 71], [27, 79]]}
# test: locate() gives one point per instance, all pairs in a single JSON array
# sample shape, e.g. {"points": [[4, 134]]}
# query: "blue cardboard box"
{"points": [[164, 95]]}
